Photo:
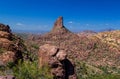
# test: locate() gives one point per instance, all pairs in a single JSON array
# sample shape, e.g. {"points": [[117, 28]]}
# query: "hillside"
{"points": [[93, 55], [96, 49], [12, 50]]}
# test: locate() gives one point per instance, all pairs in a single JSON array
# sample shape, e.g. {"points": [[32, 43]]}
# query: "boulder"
{"points": [[61, 55], [56, 59]]}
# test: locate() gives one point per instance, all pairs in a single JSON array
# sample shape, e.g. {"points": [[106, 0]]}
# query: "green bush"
{"points": [[105, 76], [35, 46], [30, 70], [2, 50], [86, 71]]}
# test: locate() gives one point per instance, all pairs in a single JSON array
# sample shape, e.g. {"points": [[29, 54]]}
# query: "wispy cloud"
{"points": [[19, 24], [87, 24], [106, 24], [70, 22]]}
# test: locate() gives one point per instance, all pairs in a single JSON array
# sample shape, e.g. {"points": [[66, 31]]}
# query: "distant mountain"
{"points": [[30, 31], [86, 33]]}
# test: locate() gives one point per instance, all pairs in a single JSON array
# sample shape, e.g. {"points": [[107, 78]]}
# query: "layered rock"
{"points": [[56, 59]]}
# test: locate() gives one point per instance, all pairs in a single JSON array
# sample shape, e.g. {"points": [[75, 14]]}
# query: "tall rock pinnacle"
{"points": [[59, 26], [59, 23]]}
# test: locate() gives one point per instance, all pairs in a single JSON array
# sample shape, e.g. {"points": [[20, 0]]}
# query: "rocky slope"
{"points": [[11, 46], [98, 49], [92, 53]]}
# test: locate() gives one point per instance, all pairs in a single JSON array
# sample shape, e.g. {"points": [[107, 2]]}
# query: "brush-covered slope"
{"points": [[94, 54], [106, 50], [99, 49]]}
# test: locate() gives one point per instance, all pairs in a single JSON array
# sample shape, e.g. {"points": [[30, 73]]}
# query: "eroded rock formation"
{"points": [[56, 59], [59, 26]]}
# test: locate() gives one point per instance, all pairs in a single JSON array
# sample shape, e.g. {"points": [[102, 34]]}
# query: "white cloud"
{"points": [[19, 24], [70, 22]]}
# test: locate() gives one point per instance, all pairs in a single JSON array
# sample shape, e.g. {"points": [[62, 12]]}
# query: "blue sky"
{"points": [[39, 15]]}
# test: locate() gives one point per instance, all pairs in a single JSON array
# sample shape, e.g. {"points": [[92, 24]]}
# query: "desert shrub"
{"points": [[30, 70], [2, 50], [35, 46], [85, 71], [5, 70], [105, 76]]}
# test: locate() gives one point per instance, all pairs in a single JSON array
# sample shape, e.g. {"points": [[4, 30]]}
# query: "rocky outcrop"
{"points": [[59, 27], [59, 23], [58, 36], [56, 59], [11, 46], [5, 28]]}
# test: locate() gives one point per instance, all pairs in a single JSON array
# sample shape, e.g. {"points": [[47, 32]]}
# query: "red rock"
{"points": [[5, 28], [61, 55], [59, 27], [59, 23], [10, 44], [57, 61]]}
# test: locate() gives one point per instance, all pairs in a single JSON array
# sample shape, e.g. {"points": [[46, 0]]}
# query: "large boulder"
{"points": [[57, 60], [61, 55]]}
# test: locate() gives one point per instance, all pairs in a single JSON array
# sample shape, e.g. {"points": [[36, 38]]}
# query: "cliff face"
{"points": [[11, 47]]}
